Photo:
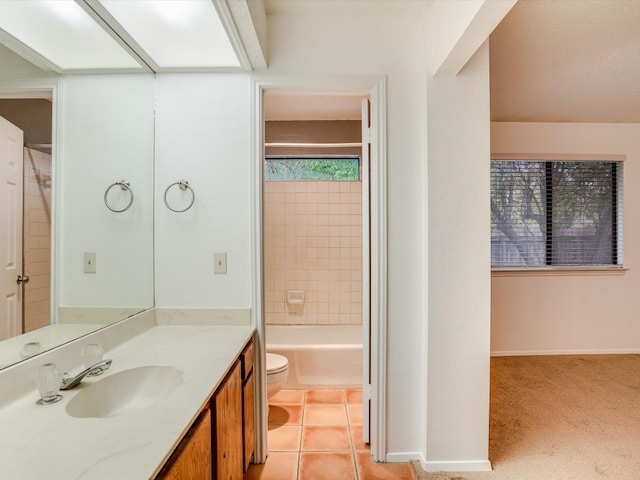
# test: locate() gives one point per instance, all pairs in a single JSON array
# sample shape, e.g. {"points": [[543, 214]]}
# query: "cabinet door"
{"points": [[246, 360], [249, 431], [228, 427], [192, 459]]}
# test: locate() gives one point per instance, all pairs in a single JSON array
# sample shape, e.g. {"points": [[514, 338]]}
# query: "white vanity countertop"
{"points": [[44, 442]]}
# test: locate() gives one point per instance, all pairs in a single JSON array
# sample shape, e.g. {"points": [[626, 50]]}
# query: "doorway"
{"points": [[289, 103], [32, 113]]}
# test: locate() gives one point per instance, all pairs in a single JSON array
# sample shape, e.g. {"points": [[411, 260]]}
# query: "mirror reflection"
{"points": [[73, 265], [30, 223]]}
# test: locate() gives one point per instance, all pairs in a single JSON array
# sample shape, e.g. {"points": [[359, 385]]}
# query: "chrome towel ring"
{"points": [[183, 185], [124, 185]]}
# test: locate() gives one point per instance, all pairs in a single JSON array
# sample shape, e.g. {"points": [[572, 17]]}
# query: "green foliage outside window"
{"points": [[296, 169]]}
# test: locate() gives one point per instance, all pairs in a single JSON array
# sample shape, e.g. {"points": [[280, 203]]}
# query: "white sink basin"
{"points": [[124, 392]]}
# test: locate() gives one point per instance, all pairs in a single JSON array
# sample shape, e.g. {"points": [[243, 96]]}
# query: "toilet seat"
{"points": [[276, 363]]}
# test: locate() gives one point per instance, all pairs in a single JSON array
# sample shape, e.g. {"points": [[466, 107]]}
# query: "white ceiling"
{"points": [[567, 61]]}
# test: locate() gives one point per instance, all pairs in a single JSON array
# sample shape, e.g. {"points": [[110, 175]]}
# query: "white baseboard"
{"points": [[458, 466], [595, 351], [447, 466], [403, 457]]}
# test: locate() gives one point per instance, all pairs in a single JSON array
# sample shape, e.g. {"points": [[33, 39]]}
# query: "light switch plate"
{"points": [[89, 262], [219, 263]]}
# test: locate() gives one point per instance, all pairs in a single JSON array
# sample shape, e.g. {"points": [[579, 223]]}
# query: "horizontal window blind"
{"points": [[556, 213]]}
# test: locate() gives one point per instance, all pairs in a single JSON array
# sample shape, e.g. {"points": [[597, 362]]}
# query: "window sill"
{"points": [[556, 271]]}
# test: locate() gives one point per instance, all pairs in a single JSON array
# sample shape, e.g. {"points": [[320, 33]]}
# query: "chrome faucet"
{"points": [[95, 369]]}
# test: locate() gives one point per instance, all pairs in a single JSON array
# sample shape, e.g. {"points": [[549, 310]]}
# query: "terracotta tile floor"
{"points": [[317, 435]]}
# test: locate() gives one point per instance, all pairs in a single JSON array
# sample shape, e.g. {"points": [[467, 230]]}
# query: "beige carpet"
{"points": [[562, 418]]}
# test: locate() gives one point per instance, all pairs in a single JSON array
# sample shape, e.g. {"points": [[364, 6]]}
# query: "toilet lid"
{"points": [[276, 363]]}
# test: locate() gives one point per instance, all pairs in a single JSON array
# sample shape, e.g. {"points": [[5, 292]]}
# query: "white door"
{"points": [[366, 273], [11, 186]]}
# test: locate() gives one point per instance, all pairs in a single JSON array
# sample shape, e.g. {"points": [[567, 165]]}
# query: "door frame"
{"points": [[375, 89], [51, 89]]}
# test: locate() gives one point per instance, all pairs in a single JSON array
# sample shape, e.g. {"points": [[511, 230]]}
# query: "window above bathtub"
{"points": [[312, 168]]}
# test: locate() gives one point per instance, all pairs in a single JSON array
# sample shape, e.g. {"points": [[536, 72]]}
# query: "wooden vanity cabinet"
{"points": [[227, 435], [248, 410], [192, 458], [221, 442]]}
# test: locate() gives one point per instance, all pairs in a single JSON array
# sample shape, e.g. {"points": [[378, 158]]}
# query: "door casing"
{"points": [[375, 89]]}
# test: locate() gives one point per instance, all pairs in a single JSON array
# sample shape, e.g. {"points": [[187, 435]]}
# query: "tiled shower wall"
{"points": [[313, 243], [37, 238]]}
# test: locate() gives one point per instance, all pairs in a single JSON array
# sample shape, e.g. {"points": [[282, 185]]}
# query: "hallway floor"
{"points": [[317, 435]]}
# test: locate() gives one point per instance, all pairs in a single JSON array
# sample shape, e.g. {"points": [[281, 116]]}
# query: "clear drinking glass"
{"points": [[48, 380], [91, 354]]}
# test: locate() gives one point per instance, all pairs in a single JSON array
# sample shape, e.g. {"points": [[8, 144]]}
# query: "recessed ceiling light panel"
{"points": [[176, 33], [63, 33]]}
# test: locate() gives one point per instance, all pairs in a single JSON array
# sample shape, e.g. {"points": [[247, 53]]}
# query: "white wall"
{"points": [[106, 136], [203, 135], [576, 312], [459, 282]]}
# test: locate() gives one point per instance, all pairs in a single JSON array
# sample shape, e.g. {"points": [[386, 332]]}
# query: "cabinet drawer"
{"points": [[246, 360]]}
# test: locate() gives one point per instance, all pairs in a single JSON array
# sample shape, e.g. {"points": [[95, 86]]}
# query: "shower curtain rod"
{"points": [[313, 145]]}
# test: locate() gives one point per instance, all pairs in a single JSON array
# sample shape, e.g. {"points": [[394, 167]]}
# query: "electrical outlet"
{"points": [[89, 262], [219, 263]]}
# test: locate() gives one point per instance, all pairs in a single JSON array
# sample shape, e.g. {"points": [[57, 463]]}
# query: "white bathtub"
{"points": [[322, 356]]}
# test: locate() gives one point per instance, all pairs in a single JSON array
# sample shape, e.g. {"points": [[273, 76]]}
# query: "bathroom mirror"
{"points": [[101, 266]]}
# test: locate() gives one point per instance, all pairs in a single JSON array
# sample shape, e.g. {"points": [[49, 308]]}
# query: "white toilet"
{"points": [[277, 372]]}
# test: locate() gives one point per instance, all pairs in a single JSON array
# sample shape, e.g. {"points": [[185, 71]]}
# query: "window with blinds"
{"points": [[556, 213]]}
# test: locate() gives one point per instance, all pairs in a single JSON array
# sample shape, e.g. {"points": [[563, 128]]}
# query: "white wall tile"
{"points": [[319, 253]]}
